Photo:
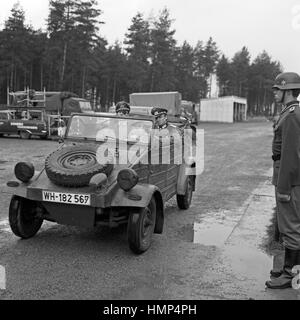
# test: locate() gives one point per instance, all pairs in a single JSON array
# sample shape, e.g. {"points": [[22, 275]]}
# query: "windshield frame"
{"points": [[103, 115]]}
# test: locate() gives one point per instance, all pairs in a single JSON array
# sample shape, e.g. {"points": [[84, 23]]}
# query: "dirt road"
{"points": [[70, 263]]}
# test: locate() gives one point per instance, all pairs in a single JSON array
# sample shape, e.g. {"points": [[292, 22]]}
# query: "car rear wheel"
{"points": [[141, 227], [184, 201], [25, 135], [23, 217]]}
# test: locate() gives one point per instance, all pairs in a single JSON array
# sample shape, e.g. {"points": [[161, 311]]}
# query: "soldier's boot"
{"points": [[291, 259], [276, 273]]}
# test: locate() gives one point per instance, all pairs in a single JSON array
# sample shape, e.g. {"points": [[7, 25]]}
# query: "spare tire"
{"points": [[74, 166]]}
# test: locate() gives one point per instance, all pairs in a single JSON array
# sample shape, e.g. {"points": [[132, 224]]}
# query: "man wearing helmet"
{"points": [[286, 175], [122, 108]]}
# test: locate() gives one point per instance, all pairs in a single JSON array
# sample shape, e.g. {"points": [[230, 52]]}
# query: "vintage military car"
{"points": [[108, 171]]}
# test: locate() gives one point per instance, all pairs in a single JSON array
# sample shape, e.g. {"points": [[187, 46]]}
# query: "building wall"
{"points": [[221, 109]]}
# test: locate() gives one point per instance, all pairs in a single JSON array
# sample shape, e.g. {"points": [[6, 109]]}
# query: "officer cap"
{"points": [[122, 106], [287, 81], [157, 111]]}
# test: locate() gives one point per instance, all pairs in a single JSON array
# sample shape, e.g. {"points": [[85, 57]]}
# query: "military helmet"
{"points": [[122, 106], [287, 81], [157, 111]]}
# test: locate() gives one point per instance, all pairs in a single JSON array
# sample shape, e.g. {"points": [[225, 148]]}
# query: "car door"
{"points": [[7, 126], [172, 169], [35, 122], [158, 173], [3, 122]]}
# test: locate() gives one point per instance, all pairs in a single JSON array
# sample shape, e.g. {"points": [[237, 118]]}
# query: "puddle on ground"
{"points": [[247, 262], [214, 234]]}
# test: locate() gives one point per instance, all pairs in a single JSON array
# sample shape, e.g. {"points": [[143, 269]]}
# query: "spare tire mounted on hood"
{"points": [[74, 166]]}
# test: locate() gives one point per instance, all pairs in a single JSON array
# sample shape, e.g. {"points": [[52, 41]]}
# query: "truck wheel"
{"points": [[25, 135], [184, 201], [74, 166], [141, 227], [23, 218]]}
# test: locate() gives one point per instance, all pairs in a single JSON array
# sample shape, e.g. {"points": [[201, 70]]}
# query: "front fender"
{"points": [[139, 197], [19, 188], [26, 130]]}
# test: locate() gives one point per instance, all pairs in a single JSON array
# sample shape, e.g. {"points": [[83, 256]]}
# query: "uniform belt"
{"points": [[276, 157]]}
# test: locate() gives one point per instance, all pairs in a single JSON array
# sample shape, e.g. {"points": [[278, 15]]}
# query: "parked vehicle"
{"points": [[24, 123], [168, 100], [40, 113], [75, 188]]}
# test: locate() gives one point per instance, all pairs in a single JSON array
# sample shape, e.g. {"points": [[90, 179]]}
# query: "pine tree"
{"points": [[73, 32], [137, 43], [262, 73], [186, 82], [162, 53], [224, 74], [240, 72]]}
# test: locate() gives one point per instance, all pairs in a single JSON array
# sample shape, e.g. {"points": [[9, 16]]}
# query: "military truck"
{"points": [[39, 113], [169, 100]]}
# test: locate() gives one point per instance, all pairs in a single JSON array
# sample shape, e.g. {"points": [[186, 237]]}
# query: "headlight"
{"points": [[127, 179], [24, 171]]}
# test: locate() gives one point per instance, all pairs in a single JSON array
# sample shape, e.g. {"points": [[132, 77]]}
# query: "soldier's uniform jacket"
{"points": [[286, 149]]}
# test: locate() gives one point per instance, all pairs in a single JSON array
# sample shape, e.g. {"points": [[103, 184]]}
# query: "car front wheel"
{"points": [[23, 218], [141, 227]]}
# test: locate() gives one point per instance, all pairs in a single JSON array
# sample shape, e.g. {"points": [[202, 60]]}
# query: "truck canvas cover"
{"points": [[168, 100]]}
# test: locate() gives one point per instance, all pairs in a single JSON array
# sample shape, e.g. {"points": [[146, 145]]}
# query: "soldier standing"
{"points": [[286, 175]]}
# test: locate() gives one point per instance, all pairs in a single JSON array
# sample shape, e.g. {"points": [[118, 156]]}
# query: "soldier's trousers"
{"points": [[288, 217]]}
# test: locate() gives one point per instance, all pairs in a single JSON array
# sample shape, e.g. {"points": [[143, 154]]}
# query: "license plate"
{"points": [[70, 198]]}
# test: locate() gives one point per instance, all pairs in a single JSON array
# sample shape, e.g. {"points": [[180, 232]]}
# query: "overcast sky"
{"points": [[273, 25]]}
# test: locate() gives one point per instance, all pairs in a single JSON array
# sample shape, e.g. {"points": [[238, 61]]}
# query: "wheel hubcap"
{"points": [[78, 160], [147, 223]]}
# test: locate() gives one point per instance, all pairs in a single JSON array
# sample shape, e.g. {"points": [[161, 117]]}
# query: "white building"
{"points": [[224, 109]]}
